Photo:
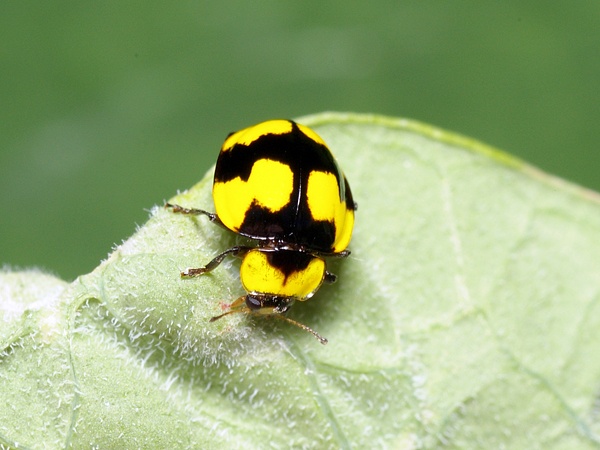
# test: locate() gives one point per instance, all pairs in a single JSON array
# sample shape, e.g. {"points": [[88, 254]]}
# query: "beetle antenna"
{"points": [[320, 338], [212, 319]]}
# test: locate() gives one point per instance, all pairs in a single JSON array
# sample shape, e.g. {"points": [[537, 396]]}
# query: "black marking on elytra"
{"points": [[294, 223], [294, 148], [289, 227], [350, 205]]}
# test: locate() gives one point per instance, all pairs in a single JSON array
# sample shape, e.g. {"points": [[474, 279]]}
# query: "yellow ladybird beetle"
{"points": [[278, 184]]}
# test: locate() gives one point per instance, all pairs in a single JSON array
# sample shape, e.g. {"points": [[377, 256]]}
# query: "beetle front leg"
{"points": [[214, 263]]}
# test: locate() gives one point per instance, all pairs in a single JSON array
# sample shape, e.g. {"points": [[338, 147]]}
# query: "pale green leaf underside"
{"points": [[467, 316]]}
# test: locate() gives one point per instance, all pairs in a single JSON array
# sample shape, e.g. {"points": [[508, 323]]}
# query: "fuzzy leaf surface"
{"points": [[467, 316]]}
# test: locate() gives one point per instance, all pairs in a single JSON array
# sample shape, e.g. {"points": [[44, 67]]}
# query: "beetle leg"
{"points": [[195, 212], [330, 277], [214, 263]]}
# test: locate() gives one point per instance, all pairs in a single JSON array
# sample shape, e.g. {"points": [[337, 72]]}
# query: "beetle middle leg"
{"points": [[195, 212]]}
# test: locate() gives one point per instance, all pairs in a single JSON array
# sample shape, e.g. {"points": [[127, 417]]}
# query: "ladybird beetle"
{"points": [[278, 184]]}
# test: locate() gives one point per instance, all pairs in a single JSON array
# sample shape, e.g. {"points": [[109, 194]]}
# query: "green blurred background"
{"points": [[108, 108]]}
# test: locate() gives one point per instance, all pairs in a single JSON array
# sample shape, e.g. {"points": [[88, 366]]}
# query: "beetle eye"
{"points": [[253, 302]]}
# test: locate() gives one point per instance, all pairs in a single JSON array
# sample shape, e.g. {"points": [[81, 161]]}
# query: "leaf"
{"points": [[467, 316]]}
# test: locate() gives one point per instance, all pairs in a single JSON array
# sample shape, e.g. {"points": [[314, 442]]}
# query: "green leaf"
{"points": [[467, 316]]}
